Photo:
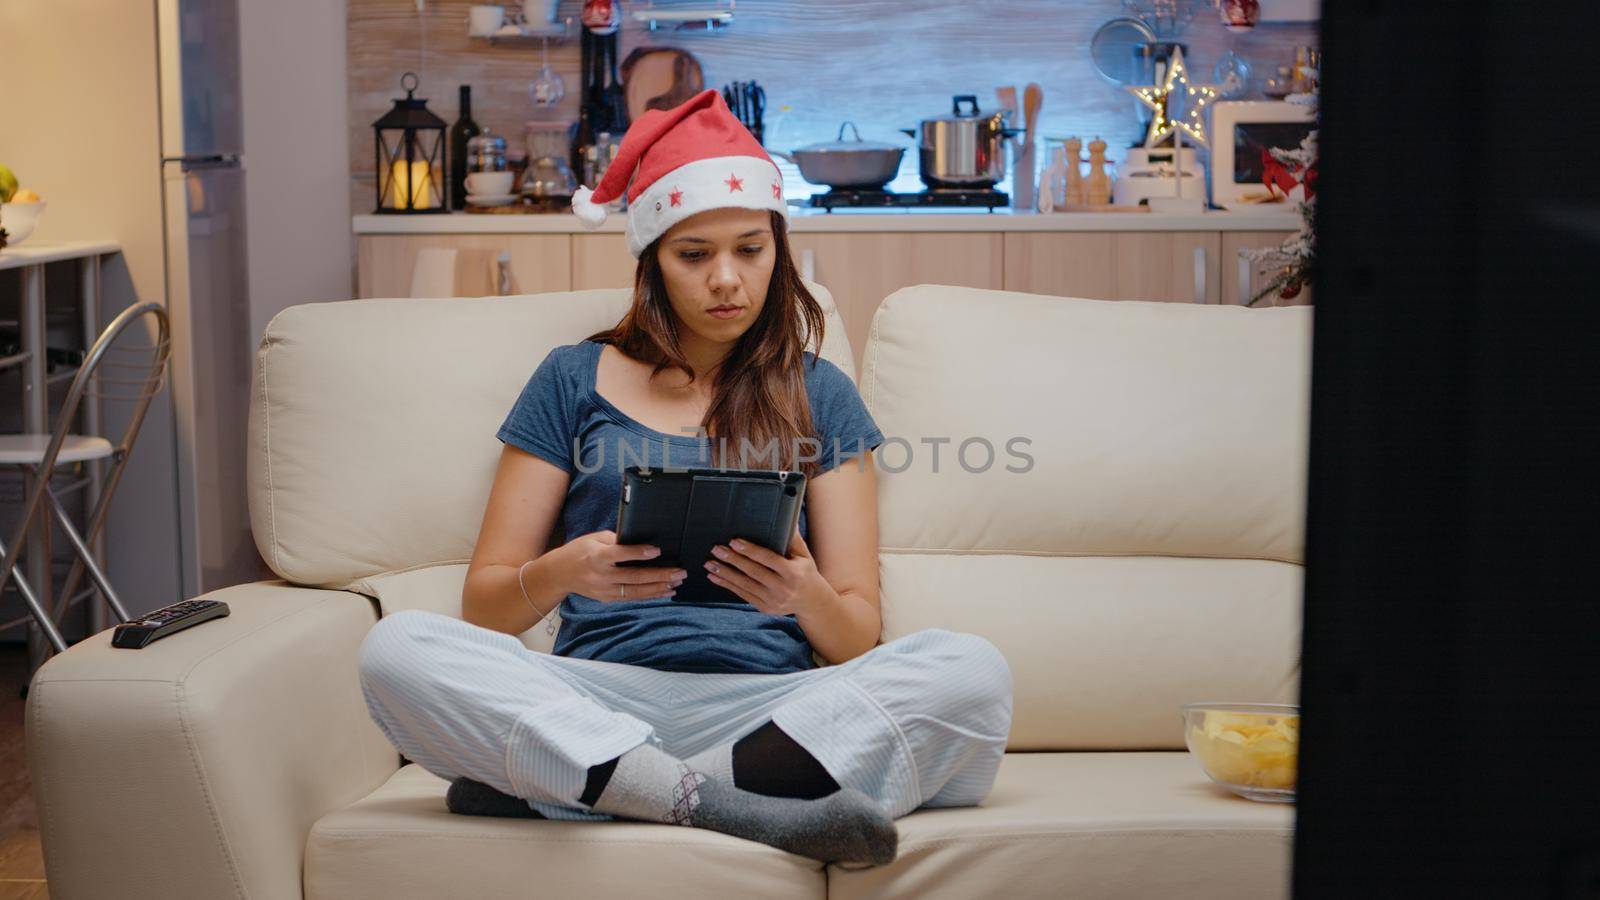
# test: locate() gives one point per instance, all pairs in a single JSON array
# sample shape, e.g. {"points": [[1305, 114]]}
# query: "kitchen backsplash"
{"points": [[883, 65]]}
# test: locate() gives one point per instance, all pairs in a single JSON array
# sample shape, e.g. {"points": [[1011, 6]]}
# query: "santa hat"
{"points": [[685, 160]]}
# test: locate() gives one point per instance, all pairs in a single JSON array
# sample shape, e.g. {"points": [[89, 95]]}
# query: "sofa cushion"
{"points": [[1055, 825], [400, 841], [438, 589], [1107, 649], [1173, 429], [372, 422], [1089, 825], [1150, 553]]}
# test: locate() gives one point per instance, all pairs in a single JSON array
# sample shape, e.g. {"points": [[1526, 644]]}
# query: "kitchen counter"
{"points": [[804, 219]]}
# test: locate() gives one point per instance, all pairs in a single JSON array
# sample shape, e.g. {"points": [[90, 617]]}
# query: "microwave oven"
{"points": [[1241, 130]]}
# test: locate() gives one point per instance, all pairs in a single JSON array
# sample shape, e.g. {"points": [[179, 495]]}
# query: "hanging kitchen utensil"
{"points": [[758, 109], [647, 73], [1115, 48], [644, 65]]}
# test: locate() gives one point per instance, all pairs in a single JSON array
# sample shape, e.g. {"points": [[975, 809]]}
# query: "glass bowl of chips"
{"points": [[1252, 749]]}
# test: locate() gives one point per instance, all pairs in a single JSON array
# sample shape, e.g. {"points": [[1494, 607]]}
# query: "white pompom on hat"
{"points": [[681, 161]]}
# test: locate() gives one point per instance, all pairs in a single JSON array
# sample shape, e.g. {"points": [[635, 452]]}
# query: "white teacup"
{"points": [[484, 20], [490, 184]]}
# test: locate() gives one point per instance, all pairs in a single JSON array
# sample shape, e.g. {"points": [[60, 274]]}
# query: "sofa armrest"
{"points": [[196, 766]]}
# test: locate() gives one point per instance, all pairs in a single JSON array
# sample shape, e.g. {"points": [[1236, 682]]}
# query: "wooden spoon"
{"points": [[1008, 98], [1032, 100]]}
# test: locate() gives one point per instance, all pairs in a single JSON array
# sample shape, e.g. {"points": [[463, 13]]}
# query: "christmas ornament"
{"points": [[1239, 15], [602, 16], [1179, 104]]}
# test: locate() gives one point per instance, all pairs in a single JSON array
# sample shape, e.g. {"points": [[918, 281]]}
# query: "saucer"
{"points": [[491, 199]]}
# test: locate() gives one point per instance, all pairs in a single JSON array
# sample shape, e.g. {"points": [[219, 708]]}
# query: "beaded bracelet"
{"points": [[551, 628]]}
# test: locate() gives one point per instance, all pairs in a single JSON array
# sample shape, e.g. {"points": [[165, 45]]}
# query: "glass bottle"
{"points": [[462, 131], [1300, 74]]}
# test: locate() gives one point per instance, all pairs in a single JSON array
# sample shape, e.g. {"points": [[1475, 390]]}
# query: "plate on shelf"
{"points": [[491, 199]]}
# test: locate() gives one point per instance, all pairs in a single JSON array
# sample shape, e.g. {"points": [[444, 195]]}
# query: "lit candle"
{"points": [[415, 192]]}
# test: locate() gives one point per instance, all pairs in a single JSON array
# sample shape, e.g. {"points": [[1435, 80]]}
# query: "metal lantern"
{"points": [[409, 145]]}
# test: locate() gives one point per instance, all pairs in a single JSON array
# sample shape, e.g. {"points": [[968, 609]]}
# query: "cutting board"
{"points": [[659, 78]]}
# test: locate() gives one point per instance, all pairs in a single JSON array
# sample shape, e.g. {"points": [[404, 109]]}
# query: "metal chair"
{"points": [[38, 454]]}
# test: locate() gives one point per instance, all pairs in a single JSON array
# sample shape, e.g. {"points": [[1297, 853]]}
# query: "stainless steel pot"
{"points": [[965, 149], [847, 164]]}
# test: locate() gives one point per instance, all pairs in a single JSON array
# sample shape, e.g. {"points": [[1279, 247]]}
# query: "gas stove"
{"points": [[853, 198]]}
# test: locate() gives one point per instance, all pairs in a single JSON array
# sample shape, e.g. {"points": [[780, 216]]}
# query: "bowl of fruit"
{"points": [[20, 209], [1252, 749]]}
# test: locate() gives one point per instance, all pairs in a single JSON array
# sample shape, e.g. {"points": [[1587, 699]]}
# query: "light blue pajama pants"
{"points": [[919, 721]]}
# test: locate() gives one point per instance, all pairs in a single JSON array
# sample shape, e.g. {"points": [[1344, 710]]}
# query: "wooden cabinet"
{"points": [[1174, 266], [1242, 278], [861, 268], [601, 261], [539, 262]]}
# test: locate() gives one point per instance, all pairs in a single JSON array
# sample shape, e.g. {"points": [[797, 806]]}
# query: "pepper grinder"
{"points": [[1077, 190], [1099, 180]]}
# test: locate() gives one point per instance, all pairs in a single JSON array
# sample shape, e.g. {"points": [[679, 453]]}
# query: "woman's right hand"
{"points": [[587, 565]]}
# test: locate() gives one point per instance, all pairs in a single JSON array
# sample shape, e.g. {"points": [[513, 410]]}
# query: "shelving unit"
{"points": [[31, 261], [708, 17], [531, 34]]}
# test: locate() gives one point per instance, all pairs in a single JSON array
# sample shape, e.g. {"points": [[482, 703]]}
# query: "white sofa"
{"points": [[1151, 556]]}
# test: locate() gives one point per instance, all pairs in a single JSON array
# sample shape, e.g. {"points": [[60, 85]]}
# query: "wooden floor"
{"points": [[21, 862]]}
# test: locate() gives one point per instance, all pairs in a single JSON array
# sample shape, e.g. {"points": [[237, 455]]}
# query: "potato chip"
{"points": [[1248, 749]]}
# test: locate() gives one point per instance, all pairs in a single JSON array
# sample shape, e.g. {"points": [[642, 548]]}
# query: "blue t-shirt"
{"points": [[559, 409]]}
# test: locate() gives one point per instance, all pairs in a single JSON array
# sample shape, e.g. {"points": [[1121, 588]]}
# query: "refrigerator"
{"points": [[203, 177], [135, 134]]}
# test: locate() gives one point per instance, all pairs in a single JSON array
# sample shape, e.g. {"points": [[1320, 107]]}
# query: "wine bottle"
{"points": [[462, 131]]}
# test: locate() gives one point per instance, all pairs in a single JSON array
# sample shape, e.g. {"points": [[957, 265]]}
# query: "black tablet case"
{"points": [[687, 511]]}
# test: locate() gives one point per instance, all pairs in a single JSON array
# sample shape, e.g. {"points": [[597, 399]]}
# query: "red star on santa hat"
{"points": [[677, 196], [734, 184], [776, 191]]}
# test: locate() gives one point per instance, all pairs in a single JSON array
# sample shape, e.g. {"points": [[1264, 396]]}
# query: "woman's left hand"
{"points": [[774, 584]]}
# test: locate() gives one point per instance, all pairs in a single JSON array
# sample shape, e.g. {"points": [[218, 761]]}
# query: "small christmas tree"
{"points": [[1292, 171]]}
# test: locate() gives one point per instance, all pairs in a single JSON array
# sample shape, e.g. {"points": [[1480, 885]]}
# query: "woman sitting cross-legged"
{"points": [[658, 705]]}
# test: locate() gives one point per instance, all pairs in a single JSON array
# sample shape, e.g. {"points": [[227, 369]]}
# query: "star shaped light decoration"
{"points": [[1192, 99]]}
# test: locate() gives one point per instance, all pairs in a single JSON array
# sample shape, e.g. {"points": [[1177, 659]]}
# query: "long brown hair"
{"points": [[760, 392]]}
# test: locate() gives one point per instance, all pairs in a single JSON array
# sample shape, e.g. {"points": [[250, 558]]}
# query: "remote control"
{"points": [[167, 620]]}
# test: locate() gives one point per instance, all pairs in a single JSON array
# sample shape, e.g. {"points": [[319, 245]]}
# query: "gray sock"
{"points": [[716, 763], [845, 826]]}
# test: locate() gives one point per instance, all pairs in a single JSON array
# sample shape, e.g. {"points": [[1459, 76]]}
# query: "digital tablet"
{"points": [[686, 512]]}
